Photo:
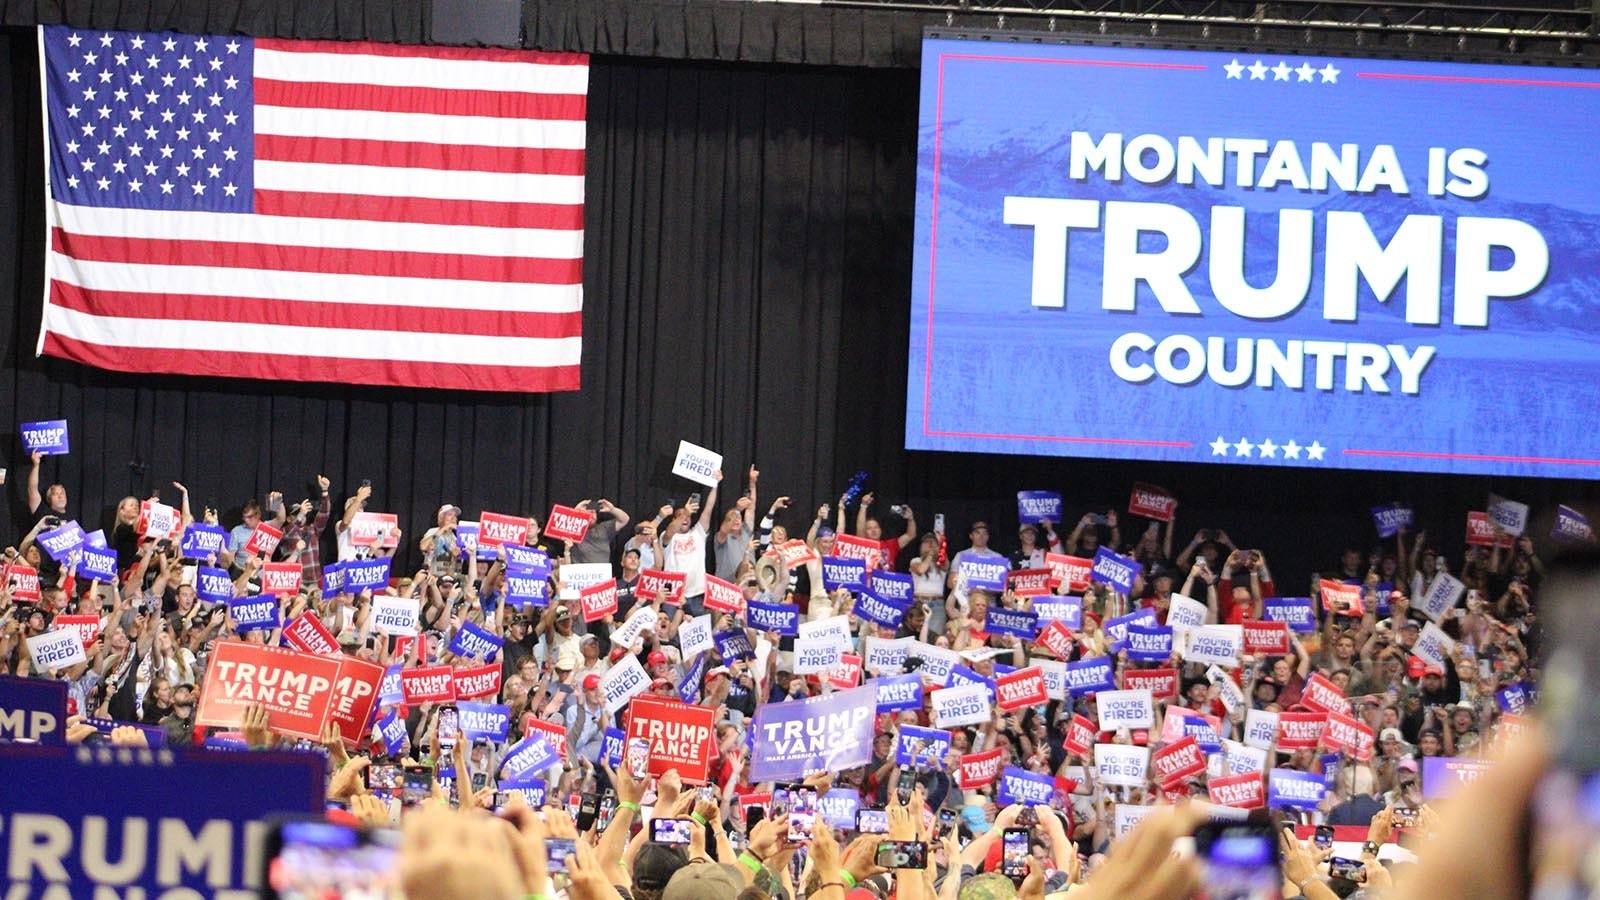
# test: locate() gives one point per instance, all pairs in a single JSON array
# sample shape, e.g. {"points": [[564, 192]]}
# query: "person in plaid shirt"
{"points": [[302, 538]]}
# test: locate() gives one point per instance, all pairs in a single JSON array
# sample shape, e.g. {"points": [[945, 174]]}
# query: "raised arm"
{"points": [[711, 502]]}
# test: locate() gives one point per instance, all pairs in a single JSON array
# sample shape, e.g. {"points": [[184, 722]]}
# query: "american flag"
{"points": [[314, 211]]}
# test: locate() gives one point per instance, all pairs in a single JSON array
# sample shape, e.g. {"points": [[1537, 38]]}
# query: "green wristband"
{"points": [[629, 804], [849, 879], [749, 861], [698, 818]]}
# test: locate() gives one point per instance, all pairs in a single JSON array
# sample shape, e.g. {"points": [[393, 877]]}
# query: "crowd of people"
{"points": [[1358, 647]]}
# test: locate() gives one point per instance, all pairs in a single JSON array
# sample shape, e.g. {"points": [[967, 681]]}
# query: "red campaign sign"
{"points": [[263, 540], [1152, 502], [979, 769], [281, 578], [1512, 725], [598, 600], [1342, 599], [375, 529], [482, 681], [762, 799], [1266, 638], [1081, 736], [495, 529], [1174, 795], [1020, 689], [723, 596], [680, 736], [566, 523], [1480, 531], [1322, 695], [847, 674], [848, 546], [428, 683], [653, 582], [355, 696], [554, 734], [1161, 683], [1247, 790], [88, 627], [1177, 761], [23, 581], [296, 688], [1349, 737], [1030, 582], [1073, 571], [307, 633], [1300, 731], [796, 553], [1057, 639]]}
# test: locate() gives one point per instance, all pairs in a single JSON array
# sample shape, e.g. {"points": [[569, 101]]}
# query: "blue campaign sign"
{"points": [[1294, 610], [612, 744], [33, 710], [733, 644], [1034, 507], [838, 808], [915, 745], [367, 574], [530, 559], [1066, 610], [1088, 676], [960, 676], [1396, 263], [1292, 788], [895, 586], [390, 690], [880, 610], [1115, 569], [333, 579], [48, 437], [392, 729], [1024, 787], [838, 572], [1019, 622], [484, 721], [780, 618], [471, 640], [1117, 628], [205, 809], [201, 540], [1392, 518], [96, 563], [1149, 643], [527, 586], [898, 692], [213, 585], [60, 542], [252, 613], [528, 758]]}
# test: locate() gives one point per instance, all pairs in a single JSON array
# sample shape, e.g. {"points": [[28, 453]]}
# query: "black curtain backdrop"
{"points": [[747, 287]]}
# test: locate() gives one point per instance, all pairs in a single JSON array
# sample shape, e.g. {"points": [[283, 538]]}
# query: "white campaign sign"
{"points": [[1231, 694], [1434, 647], [694, 636], [813, 655], [640, 619], [581, 575], [396, 615], [1121, 764], [886, 657], [1215, 644], [1125, 709], [56, 650], [622, 681], [1128, 815], [697, 464], [966, 705], [1511, 516], [1185, 611], [1260, 727], [936, 661], [835, 629], [1242, 759], [1441, 596], [1055, 676]]}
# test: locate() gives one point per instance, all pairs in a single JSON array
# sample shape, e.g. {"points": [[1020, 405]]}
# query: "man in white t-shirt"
{"points": [[684, 548]]}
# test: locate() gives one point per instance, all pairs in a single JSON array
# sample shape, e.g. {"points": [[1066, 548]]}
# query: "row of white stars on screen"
{"points": [[1269, 450], [1281, 72], [136, 186], [169, 44]]}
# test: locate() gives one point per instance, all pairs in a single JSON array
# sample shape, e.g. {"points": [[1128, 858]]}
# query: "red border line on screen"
{"points": [[933, 253], [1476, 457], [1461, 79]]}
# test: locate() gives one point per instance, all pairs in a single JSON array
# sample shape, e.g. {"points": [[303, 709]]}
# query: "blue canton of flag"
{"points": [[150, 120]]}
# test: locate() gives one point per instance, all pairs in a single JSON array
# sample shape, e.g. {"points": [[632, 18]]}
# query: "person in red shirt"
{"points": [[1242, 602]]}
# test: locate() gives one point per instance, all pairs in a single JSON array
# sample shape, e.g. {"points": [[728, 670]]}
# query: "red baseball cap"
{"points": [[590, 682], [660, 683], [657, 657]]}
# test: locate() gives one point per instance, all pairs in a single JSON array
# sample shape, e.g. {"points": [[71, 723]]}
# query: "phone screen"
{"points": [[1014, 853], [384, 780], [903, 855], [1241, 861], [639, 757], [449, 724], [872, 821], [1324, 836], [1348, 869], [802, 813], [416, 785], [557, 850], [670, 831], [314, 859]]}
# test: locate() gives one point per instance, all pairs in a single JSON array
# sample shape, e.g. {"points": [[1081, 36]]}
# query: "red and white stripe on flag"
{"points": [[315, 211]]}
